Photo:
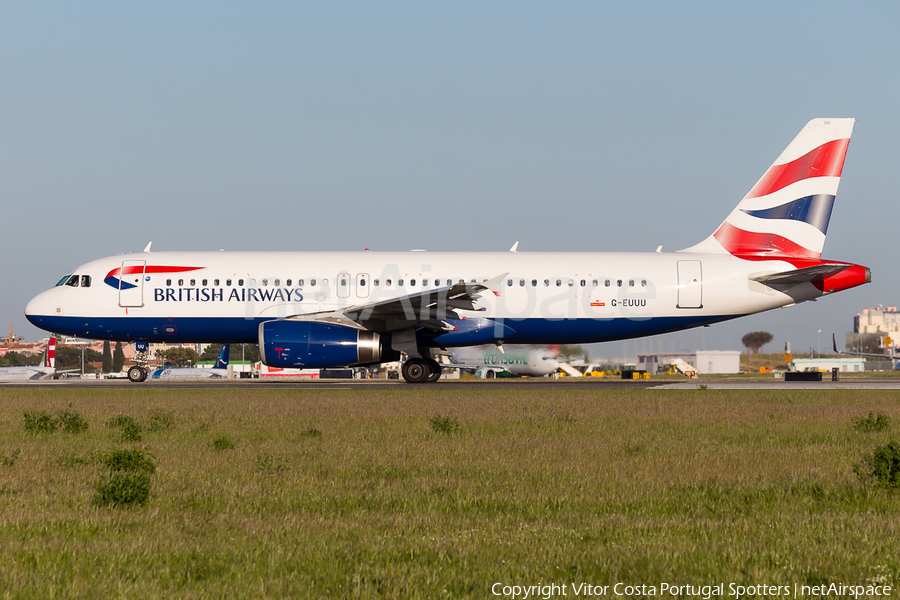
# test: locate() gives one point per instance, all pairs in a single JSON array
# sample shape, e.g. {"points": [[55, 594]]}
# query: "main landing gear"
{"points": [[421, 370], [137, 374]]}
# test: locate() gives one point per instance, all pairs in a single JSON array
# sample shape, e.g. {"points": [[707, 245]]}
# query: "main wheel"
{"points": [[136, 374], [435, 368], [415, 371]]}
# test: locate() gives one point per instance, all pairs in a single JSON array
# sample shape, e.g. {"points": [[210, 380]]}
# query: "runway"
{"points": [[856, 383]]}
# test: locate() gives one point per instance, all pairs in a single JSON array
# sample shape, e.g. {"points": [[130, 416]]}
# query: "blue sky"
{"points": [[456, 126]]}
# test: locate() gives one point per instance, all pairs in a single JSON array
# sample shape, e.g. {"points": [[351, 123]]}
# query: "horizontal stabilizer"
{"points": [[805, 275]]}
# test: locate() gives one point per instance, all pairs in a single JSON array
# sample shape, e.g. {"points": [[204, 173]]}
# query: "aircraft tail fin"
{"points": [[50, 353], [786, 213], [222, 361]]}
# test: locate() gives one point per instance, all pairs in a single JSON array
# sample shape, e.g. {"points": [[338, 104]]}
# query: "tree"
{"points": [[69, 357], [755, 340], [107, 358], [118, 359], [179, 357], [211, 352]]}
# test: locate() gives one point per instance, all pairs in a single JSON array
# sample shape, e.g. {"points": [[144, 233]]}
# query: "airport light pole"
{"points": [[819, 343]]}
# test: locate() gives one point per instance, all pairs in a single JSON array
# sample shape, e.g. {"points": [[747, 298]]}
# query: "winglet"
{"points": [[147, 249], [514, 246], [494, 283]]}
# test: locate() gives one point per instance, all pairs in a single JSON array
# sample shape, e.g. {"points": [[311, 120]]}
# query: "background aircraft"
{"points": [[218, 370], [46, 371], [487, 361]]}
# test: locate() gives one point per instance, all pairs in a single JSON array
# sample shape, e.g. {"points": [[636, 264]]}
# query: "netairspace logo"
{"points": [[706, 592]]}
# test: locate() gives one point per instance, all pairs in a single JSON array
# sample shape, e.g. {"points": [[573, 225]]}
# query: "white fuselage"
{"points": [[26, 373], [532, 361], [544, 298]]}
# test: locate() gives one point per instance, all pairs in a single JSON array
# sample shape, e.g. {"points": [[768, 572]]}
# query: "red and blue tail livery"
{"points": [[787, 212], [335, 309]]}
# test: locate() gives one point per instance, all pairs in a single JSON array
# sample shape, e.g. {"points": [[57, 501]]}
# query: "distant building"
{"points": [[879, 321], [705, 361], [844, 365]]}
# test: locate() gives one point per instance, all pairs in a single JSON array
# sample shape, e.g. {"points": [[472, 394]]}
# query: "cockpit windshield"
{"points": [[63, 280]]}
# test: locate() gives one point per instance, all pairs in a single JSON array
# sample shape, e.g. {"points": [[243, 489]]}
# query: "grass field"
{"points": [[416, 492]]}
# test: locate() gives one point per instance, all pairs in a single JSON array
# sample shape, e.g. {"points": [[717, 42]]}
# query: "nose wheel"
{"points": [[137, 374]]}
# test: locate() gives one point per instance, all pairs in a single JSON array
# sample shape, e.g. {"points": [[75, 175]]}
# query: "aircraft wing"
{"points": [[429, 309], [881, 356], [804, 275]]}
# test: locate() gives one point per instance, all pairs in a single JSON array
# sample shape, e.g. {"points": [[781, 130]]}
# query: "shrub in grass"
{"points": [[444, 424], [872, 423], [312, 432], [119, 421], [882, 467], [131, 429], [133, 460], [160, 420], [10, 460], [122, 488], [72, 422], [40, 422], [222, 443], [268, 463]]}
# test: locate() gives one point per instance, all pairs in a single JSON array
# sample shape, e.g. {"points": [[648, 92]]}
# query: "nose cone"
{"points": [[36, 310]]}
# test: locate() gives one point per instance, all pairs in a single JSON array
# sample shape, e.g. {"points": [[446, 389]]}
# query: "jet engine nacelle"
{"points": [[310, 345]]}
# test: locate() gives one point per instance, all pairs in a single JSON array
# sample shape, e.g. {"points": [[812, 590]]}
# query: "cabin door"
{"points": [[690, 284], [131, 283]]}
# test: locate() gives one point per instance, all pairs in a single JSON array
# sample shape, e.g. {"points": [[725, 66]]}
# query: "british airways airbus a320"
{"points": [[330, 309]]}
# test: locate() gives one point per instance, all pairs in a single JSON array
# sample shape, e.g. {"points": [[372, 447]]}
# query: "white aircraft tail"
{"points": [[786, 213]]}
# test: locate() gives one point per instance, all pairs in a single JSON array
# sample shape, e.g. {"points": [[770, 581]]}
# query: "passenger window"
{"points": [[193, 283], [606, 283], [362, 282], [594, 283], [643, 283], [583, 283], [324, 282], [169, 282], [288, 283], [534, 283], [546, 283], [619, 282], [265, 282], [240, 283], [399, 283], [509, 283], [181, 283], [277, 282], [215, 282], [412, 282], [343, 282], [631, 283], [312, 282], [203, 283], [387, 283], [558, 282], [437, 283], [571, 282], [521, 283], [300, 282], [228, 282], [73, 281]]}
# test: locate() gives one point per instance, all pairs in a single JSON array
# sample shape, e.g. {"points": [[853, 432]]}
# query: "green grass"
{"points": [[343, 493]]}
